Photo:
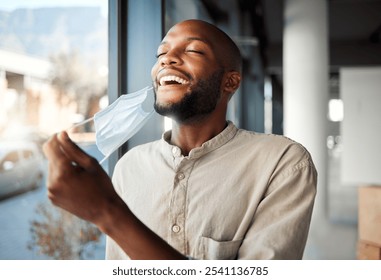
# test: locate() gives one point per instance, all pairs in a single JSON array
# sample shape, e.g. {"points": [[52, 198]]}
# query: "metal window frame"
{"points": [[135, 29]]}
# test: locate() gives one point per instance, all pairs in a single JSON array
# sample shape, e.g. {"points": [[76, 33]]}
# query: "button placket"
{"points": [[178, 222], [177, 157], [177, 206], [179, 200]]}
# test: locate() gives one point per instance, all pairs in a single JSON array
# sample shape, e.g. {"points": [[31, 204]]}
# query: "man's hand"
{"points": [[76, 182]]}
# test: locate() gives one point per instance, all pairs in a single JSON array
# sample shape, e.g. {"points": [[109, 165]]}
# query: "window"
{"points": [[53, 74]]}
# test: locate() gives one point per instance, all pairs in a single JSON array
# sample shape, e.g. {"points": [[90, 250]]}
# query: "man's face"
{"points": [[187, 76]]}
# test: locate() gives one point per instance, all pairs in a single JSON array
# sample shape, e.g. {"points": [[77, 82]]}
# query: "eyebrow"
{"points": [[189, 39], [198, 39]]}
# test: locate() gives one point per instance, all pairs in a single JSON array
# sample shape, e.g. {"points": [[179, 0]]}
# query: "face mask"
{"points": [[121, 120]]}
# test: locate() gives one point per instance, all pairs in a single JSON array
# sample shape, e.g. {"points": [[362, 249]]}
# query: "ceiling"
{"points": [[354, 29]]}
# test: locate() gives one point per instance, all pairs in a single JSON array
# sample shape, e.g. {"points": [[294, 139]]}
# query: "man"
{"points": [[206, 190]]}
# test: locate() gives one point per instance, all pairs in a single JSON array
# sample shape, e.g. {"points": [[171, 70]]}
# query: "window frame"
{"points": [[134, 25]]}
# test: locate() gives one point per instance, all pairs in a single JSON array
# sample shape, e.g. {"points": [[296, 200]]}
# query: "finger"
{"points": [[75, 153], [52, 150], [59, 165]]}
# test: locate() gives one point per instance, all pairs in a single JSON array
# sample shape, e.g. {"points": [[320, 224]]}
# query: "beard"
{"points": [[197, 103]]}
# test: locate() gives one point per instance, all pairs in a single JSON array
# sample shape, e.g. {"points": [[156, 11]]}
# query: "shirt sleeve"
{"points": [[281, 223]]}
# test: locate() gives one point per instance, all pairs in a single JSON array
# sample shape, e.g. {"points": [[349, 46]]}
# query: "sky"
{"points": [[14, 4]]}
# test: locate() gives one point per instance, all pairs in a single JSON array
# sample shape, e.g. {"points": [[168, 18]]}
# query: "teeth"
{"points": [[172, 78]]}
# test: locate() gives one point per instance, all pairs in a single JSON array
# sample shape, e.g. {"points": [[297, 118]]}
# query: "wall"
{"points": [[334, 234], [361, 129]]}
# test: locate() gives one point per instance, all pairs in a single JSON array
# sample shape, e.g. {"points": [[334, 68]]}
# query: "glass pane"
{"points": [[53, 75]]}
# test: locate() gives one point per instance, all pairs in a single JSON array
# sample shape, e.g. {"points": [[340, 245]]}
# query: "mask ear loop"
{"points": [[104, 159], [80, 123]]}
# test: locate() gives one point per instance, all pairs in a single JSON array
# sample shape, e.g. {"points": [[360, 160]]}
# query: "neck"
{"points": [[188, 136]]}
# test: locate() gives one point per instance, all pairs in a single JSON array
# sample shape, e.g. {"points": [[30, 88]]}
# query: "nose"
{"points": [[170, 58]]}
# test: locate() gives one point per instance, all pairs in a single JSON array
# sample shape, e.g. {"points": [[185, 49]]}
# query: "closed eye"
{"points": [[160, 54], [195, 51]]}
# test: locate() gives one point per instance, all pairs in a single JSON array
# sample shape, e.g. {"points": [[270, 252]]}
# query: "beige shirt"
{"points": [[241, 195]]}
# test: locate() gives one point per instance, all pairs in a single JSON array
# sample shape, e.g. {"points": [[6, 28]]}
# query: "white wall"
{"points": [[360, 89]]}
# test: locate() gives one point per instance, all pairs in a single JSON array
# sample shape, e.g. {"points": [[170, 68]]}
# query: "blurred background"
{"points": [[312, 72]]}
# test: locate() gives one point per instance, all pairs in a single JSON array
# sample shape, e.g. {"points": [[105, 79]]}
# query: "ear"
{"points": [[231, 82]]}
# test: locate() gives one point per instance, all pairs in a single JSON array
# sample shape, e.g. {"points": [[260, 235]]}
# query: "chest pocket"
{"points": [[210, 249]]}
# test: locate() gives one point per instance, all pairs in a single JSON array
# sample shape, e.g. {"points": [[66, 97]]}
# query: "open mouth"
{"points": [[172, 80]]}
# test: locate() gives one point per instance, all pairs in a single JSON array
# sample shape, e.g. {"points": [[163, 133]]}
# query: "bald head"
{"points": [[224, 47]]}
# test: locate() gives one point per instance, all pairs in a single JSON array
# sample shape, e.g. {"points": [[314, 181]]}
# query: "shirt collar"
{"points": [[219, 140]]}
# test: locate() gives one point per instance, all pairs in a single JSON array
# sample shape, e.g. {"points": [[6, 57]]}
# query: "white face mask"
{"points": [[121, 120]]}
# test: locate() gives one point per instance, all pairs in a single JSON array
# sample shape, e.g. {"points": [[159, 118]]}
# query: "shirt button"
{"points": [[175, 228], [176, 151], [181, 176]]}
